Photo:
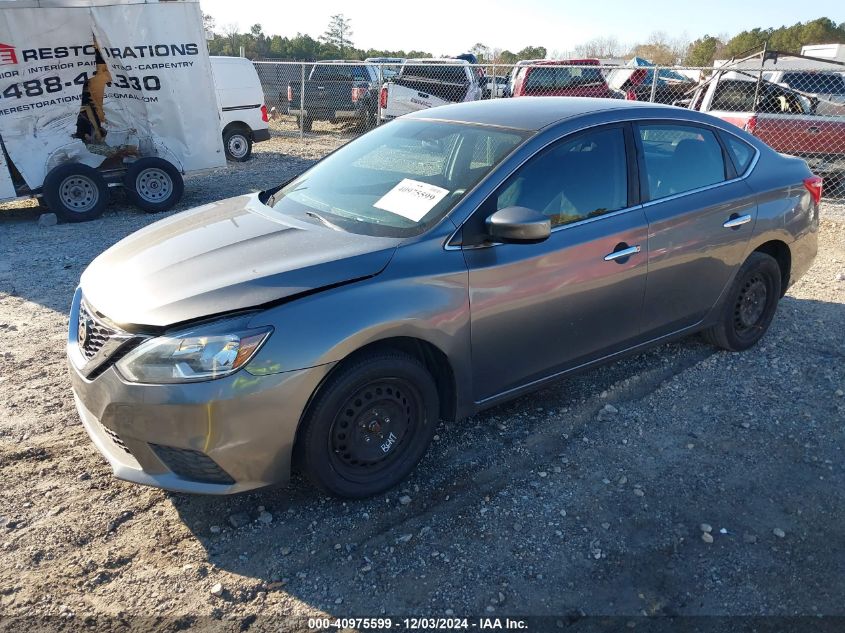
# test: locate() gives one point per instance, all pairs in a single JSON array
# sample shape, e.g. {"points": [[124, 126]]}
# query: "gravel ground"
{"points": [[682, 481]]}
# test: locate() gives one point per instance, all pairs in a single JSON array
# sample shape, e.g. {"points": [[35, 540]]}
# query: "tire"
{"points": [[76, 192], [238, 145], [153, 184], [368, 121], [749, 306], [304, 125], [369, 426]]}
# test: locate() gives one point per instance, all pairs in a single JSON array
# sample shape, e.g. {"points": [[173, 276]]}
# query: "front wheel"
{"points": [[369, 425], [750, 305], [153, 184]]}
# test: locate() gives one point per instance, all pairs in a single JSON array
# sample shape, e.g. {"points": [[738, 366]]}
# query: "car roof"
{"points": [[532, 113]]}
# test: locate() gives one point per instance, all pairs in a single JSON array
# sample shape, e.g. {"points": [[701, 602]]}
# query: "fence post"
{"points": [[302, 102], [655, 74], [495, 87], [378, 95]]}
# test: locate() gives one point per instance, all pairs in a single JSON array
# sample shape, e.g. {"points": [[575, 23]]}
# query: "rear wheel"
{"points": [[369, 426], [153, 184], [750, 305], [238, 145], [76, 192]]}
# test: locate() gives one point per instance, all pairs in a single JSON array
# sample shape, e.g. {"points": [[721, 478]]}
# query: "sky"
{"points": [[442, 27]]}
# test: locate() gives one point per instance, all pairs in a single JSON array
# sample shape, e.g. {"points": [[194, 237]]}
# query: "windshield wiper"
{"points": [[328, 223]]}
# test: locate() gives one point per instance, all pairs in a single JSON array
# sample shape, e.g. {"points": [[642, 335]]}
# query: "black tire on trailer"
{"points": [[153, 184], [76, 192], [369, 425], [238, 144], [749, 306]]}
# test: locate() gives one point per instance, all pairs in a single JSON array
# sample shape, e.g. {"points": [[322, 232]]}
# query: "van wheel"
{"points": [[76, 192], [153, 184], [238, 145], [369, 426], [304, 124], [750, 305]]}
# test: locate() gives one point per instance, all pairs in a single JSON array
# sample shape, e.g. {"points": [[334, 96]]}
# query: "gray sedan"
{"points": [[441, 264]]}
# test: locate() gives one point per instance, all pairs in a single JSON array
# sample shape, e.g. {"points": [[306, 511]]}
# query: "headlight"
{"points": [[191, 357]]}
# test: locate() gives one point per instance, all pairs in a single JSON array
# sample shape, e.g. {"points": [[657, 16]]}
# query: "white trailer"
{"points": [[102, 93]]}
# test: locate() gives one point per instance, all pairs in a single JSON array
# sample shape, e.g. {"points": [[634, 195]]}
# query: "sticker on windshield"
{"points": [[411, 199]]}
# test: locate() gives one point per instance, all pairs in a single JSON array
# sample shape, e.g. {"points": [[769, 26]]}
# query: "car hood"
{"points": [[228, 255]]}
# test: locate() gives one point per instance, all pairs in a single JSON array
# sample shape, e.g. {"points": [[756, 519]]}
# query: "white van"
{"points": [[243, 115]]}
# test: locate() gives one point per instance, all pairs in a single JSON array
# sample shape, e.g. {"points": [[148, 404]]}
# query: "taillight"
{"points": [[750, 125], [814, 186], [630, 95], [290, 93], [358, 93], [382, 98], [264, 116]]}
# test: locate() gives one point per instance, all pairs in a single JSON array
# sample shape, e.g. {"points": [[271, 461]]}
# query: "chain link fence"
{"points": [[796, 106]]}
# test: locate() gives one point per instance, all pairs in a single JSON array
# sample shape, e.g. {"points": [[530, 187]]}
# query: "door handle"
{"points": [[622, 254], [735, 221]]}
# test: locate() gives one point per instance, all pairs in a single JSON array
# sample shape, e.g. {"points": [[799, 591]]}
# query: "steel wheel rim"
{"points": [[751, 304], [154, 185], [237, 146], [79, 193], [373, 429]]}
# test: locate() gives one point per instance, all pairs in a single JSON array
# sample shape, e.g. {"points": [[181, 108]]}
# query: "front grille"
{"points": [[91, 333], [193, 465], [115, 438]]}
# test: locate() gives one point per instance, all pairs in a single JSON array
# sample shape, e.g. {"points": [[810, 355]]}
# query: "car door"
{"points": [[700, 216], [538, 309]]}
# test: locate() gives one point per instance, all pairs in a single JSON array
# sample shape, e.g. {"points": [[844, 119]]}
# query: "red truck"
{"points": [[781, 117], [562, 78]]}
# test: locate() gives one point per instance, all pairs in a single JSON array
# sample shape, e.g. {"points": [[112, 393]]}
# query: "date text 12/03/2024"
{"points": [[413, 624]]}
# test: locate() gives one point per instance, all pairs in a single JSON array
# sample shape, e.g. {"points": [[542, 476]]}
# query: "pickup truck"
{"points": [[427, 83], [336, 91], [781, 117]]}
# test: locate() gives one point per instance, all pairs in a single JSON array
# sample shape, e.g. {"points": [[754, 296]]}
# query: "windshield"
{"points": [[399, 179]]}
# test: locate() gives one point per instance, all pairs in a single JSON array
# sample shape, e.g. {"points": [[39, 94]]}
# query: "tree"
{"points": [[661, 50], [506, 57], [600, 47], [231, 31], [703, 51], [787, 39], [207, 22], [338, 34], [532, 52], [481, 51]]}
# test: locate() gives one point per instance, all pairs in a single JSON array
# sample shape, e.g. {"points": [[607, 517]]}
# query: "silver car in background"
{"points": [[438, 265]]}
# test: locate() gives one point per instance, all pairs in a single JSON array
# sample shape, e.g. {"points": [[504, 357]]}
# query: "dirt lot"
{"points": [[585, 498]]}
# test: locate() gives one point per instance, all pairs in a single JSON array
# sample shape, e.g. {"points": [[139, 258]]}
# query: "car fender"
{"points": [[329, 326]]}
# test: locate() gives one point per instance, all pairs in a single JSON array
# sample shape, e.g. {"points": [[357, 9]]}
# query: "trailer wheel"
{"points": [[76, 192], [153, 184]]}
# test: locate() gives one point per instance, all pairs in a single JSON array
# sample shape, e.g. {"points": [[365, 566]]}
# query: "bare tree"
{"points": [[338, 33], [600, 47], [231, 32]]}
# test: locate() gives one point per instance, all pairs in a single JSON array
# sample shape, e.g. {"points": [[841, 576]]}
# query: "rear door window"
{"points": [[680, 158]]}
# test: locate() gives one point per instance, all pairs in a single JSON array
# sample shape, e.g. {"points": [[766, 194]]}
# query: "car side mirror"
{"points": [[518, 225]]}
